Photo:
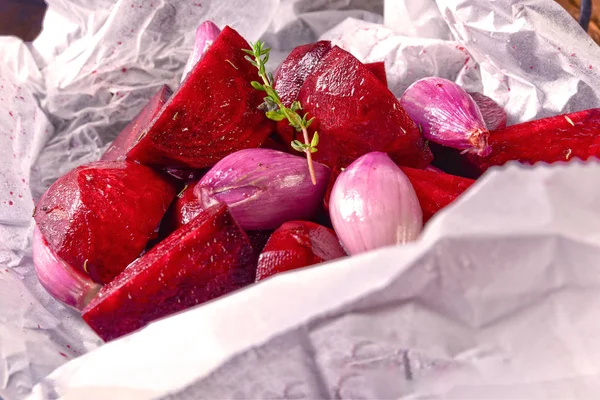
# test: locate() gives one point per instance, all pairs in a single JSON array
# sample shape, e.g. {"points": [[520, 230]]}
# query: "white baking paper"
{"points": [[497, 300]]}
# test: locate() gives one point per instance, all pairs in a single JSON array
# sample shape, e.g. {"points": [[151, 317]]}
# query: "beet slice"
{"points": [[132, 132], [435, 190], [356, 114], [206, 258], [554, 139], [297, 244], [378, 69], [183, 209], [99, 217], [213, 113], [494, 116], [292, 72]]}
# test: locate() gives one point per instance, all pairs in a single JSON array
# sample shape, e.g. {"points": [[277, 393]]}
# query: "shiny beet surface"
{"points": [[356, 114], [99, 217], [207, 258], [297, 244], [435, 190], [213, 113], [554, 139], [132, 132]]}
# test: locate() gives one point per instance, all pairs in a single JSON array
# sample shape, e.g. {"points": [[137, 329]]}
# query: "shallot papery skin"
{"points": [[264, 188], [65, 283], [206, 34], [447, 115], [373, 204]]}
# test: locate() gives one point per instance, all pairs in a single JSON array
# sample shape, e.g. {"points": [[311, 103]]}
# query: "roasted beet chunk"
{"points": [[435, 190], [356, 114], [291, 74], [213, 113], [297, 244], [378, 69], [206, 258], [560, 138], [132, 132], [99, 217]]}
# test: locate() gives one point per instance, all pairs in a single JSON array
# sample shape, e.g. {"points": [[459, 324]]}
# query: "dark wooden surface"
{"points": [[22, 18]]}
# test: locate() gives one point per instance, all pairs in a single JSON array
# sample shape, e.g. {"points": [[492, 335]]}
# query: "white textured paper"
{"points": [[498, 300]]}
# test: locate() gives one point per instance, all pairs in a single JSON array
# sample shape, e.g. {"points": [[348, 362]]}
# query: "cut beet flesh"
{"points": [[493, 115], [186, 207], [99, 217], [297, 244], [356, 114], [435, 190], [183, 209], [291, 74], [378, 69], [132, 132], [560, 138], [213, 113], [300, 63], [207, 258]]}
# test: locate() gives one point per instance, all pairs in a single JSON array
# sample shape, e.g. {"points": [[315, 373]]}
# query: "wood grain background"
{"points": [[23, 18]]}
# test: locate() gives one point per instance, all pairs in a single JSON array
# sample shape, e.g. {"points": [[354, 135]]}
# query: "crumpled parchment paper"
{"points": [[497, 300]]}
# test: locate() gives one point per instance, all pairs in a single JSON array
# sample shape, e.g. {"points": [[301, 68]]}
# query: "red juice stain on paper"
{"points": [[119, 43], [572, 54], [11, 114], [590, 67], [11, 193], [123, 70], [62, 354], [20, 196], [467, 60], [198, 4], [10, 203], [39, 327], [93, 72]]}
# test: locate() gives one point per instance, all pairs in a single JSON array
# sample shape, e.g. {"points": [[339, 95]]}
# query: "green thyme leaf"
{"points": [[315, 140], [298, 146], [275, 115], [256, 85]]}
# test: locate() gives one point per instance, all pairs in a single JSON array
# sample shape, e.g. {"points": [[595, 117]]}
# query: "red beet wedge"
{"points": [[290, 77], [378, 69], [206, 258], [213, 113], [357, 114], [435, 190], [99, 217], [297, 244], [493, 115], [132, 132], [184, 208], [560, 138]]}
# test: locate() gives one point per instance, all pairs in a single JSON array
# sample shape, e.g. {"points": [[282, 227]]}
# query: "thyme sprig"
{"points": [[276, 110]]}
